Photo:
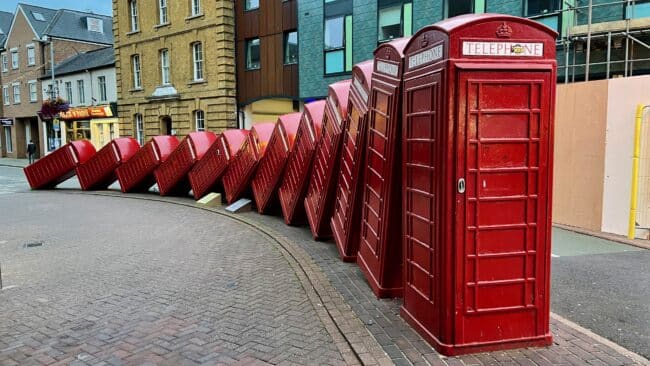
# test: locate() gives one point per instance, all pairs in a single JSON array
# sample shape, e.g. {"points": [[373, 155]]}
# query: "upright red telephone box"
{"points": [[293, 186], [347, 204], [479, 94], [240, 171], [319, 201], [206, 173], [380, 250], [267, 178]]}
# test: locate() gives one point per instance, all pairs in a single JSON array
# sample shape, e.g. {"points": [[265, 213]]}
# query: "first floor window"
{"points": [[197, 56], [251, 4], [133, 7], [16, 93], [68, 91], [102, 88], [5, 95], [253, 54], [291, 48], [14, 59], [164, 66], [196, 7], [139, 129], [33, 97], [338, 44], [5, 62], [535, 7], [8, 143], [199, 118], [459, 7], [162, 7], [394, 21], [81, 92], [137, 79], [31, 55]]}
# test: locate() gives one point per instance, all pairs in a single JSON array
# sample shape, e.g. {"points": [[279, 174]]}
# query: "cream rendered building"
{"points": [[175, 66]]}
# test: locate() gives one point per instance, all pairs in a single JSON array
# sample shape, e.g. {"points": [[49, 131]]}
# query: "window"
{"points": [[459, 7], [31, 55], [536, 7], [252, 4], [101, 81], [638, 9], [338, 44], [164, 66], [197, 56], [196, 7], [139, 129], [199, 118], [38, 16], [394, 21], [33, 97], [137, 75], [14, 59], [162, 10], [5, 62], [253, 54], [8, 143], [5, 95], [291, 48], [81, 92], [16, 93], [133, 7], [68, 91]]}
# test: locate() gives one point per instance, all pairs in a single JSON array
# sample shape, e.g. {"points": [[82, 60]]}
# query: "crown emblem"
{"points": [[425, 41], [504, 31]]}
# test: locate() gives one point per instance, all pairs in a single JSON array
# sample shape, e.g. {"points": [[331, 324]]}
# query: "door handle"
{"points": [[461, 185]]}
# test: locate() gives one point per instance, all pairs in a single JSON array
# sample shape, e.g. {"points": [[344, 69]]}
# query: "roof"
{"points": [[103, 57], [31, 13], [72, 24], [5, 24]]}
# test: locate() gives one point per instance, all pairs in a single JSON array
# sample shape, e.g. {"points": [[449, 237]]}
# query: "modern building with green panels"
{"points": [[336, 34]]}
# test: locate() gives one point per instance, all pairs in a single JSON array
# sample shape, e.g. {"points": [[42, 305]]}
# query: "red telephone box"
{"points": [[267, 178], [58, 166], [136, 175], [99, 171], [319, 201], [380, 250], [240, 171], [171, 175], [293, 187], [206, 174], [347, 204], [479, 94]]}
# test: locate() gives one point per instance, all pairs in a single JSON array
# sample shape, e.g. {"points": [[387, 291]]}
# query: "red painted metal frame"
{"points": [[271, 167], [99, 171], [240, 171], [171, 175], [293, 186], [380, 250], [319, 201], [206, 174], [477, 256], [59, 165], [347, 204], [137, 174]]}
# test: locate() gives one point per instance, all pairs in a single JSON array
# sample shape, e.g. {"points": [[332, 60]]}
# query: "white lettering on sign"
{"points": [[507, 49], [425, 57], [386, 68], [360, 90]]}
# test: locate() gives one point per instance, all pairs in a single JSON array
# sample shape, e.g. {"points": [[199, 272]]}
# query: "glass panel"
{"points": [[348, 43], [334, 33], [291, 48], [334, 62], [389, 23], [541, 6], [638, 11], [479, 6], [252, 4], [253, 54], [551, 21], [459, 7], [408, 19]]}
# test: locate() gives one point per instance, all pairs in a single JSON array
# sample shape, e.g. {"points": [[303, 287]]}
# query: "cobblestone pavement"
{"points": [[98, 280]]}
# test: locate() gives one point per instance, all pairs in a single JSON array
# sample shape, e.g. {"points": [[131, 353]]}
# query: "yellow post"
{"points": [[635, 171]]}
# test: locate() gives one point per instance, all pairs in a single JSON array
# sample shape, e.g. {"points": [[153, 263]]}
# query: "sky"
{"points": [[96, 6]]}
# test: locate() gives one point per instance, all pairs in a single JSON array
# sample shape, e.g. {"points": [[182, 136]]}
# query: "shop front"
{"points": [[6, 144], [97, 124]]}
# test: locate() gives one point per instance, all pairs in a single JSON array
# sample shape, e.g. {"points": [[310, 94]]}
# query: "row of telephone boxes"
{"points": [[431, 168]]}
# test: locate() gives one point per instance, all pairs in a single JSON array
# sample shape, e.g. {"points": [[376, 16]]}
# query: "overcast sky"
{"points": [[96, 6]]}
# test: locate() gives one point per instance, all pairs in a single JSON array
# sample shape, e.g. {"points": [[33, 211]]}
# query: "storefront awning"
{"points": [[86, 113]]}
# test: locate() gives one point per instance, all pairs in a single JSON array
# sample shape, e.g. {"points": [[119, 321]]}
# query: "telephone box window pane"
{"points": [[334, 62]]}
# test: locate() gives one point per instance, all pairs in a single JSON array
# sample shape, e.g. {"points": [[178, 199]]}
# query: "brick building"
{"points": [[36, 33], [5, 24], [175, 66]]}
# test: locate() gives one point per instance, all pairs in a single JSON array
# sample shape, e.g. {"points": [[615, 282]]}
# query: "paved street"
{"points": [[106, 280]]}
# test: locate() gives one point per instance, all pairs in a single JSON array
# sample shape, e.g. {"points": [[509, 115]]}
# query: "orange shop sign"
{"points": [[86, 112]]}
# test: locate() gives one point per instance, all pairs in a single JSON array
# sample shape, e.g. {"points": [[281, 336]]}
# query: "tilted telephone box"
{"points": [[99, 171], [136, 175]]}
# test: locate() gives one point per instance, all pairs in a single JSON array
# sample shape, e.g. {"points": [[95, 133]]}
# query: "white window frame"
{"points": [[164, 67], [133, 10], [163, 16], [31, 55], [33, 95], [16, 87], [5, 95], [81, 92], [137, 71], [196, 7], [139, 128], [15, 62], [5, 63], [199, 120], [197, 60], [101, 84], [68, 91]]}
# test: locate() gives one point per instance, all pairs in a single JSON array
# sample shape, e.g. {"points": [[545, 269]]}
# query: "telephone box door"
{"points": [[502, 203]]}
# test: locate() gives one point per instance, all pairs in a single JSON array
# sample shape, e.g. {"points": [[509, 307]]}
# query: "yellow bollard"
{"points": [[635, 171]]}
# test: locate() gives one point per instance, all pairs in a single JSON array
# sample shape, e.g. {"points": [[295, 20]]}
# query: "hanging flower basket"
{"points": [[51, 108]]}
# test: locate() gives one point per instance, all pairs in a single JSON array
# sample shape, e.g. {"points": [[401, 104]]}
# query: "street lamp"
{"points": [[53, 92]]}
